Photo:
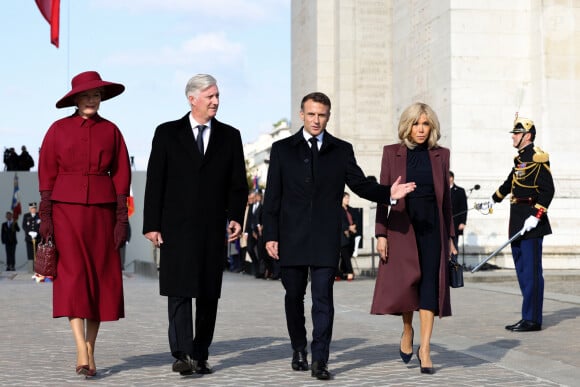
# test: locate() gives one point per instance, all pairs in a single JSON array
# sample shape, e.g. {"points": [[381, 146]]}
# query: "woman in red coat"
{"points": [[414, 238], [84, 176]]}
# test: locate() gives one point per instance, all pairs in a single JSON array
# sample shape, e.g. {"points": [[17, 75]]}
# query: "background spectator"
{"points": [[25, 161], [9, 230], [10, 159], [31, 223]]}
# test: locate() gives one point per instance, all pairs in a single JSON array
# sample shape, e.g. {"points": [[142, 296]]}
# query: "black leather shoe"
{"points": [[202, 367], [300, 361], [320, 370], [527, 326], [184, 366], [510, 327]]}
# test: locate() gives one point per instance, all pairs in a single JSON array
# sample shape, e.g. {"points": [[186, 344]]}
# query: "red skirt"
{"points": [[89, 282]]}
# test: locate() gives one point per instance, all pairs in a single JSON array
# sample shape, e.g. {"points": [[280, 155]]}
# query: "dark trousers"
{"points": [[295, 280], [527, 256], [245, 266], [254, 251], [10, 256], [181, 338], [345, 265]]}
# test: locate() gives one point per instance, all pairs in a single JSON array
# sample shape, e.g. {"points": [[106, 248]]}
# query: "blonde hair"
{"points": [[411, 116]]}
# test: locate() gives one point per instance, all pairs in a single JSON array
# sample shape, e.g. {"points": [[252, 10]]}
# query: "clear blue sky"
{"points": [[152, 47]]}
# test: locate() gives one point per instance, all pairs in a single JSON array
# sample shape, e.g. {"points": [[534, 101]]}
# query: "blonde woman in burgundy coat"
{"points": [[415, 238]]}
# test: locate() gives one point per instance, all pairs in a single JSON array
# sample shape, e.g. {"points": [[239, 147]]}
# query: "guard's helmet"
{"points": [[523, 125]]}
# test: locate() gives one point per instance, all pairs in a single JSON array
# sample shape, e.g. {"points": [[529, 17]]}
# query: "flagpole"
{"points": [[67, 41], [15, 206]]}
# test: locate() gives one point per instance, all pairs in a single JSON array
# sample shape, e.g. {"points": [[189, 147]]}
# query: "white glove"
{"points": [[530, 224], [485, 205], [490, 202]]}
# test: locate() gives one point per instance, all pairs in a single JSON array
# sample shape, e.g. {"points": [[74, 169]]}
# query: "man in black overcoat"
{"points": [[253, 228], [196, 188], [458, 207], [302, 220], [9, 240]]}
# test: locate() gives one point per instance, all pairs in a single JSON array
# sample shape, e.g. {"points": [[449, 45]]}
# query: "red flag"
{"points": [[130, 203], [16, 207], [50, 9]]}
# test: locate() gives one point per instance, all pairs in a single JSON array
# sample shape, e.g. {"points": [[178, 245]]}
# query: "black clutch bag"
{"points": [[455, 273]]}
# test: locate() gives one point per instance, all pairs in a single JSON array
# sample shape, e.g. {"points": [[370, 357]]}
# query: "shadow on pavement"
{"points": [[555, 318], [388, 353]]}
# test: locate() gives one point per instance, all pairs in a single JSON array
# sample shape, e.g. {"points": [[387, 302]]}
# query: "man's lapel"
{"points": [[186, 138], [216, 140]]}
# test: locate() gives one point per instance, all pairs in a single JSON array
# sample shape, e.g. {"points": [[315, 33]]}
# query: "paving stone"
{"points": [[251, 345]]}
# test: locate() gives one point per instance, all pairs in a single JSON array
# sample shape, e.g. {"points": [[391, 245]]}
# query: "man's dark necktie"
{"points": [[200, 129], [314, 150]]}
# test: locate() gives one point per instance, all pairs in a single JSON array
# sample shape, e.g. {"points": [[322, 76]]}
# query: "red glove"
{"points": [[122, 223], [45, 212]]}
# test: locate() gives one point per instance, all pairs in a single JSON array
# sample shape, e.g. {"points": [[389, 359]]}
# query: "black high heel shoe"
{"points": [[406, 357], [424, 370]]}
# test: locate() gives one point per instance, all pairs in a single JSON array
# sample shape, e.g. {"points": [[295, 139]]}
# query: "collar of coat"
{"points": [[188, 140], [80, 121], [329, 140], [402, 151]]}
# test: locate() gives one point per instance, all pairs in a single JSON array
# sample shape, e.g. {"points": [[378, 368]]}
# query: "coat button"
{"points": [[308, 180]]}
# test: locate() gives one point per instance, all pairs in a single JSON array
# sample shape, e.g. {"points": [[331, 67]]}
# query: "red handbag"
{"points": [[46, 258]]}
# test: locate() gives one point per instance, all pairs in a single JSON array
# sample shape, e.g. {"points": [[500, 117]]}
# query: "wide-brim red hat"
{"points": [[87, 81]]}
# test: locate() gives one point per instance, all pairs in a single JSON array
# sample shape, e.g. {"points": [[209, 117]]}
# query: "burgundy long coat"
{"points": [[396, 288]]}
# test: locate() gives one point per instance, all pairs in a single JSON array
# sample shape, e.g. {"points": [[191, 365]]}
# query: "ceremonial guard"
{"points": [[31, 225], [531, 190]]}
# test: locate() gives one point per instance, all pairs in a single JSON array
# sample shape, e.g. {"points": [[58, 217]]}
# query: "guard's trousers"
{"points": [[527, 256]]}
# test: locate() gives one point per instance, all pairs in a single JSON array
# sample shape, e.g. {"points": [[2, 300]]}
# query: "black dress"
{"points": [[422, 210]]}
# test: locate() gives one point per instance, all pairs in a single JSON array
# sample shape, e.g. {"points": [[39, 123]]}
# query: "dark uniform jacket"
{"points": [[30, 223], [304, 214], [189, 198], [531, 187]]}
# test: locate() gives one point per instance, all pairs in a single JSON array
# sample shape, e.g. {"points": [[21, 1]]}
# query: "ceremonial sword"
{"points": [[516, 236]]}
